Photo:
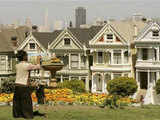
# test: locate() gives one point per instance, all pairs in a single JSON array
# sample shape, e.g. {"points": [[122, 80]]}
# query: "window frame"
{"points": [[73, 61], [29, 45], [66, 42], [155, 33], [116, 61], [98, 57]]}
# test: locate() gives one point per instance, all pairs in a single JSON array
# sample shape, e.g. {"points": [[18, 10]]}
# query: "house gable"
{"points": [[31, 44], [108, 35], [66, 40], [150, 33]]}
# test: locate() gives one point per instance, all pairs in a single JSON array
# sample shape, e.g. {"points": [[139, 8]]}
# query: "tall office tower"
{"points": [[46, 23], [80, 15], [58, 25]]}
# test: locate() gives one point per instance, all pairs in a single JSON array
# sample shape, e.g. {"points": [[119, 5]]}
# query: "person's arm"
{"points": [[33, 67]]}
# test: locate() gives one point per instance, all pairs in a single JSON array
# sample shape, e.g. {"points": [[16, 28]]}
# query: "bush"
{"points": [[157, 87], [8, 85], [123, 86], [74, 85]]}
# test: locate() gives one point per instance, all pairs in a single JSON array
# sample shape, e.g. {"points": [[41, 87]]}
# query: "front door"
{"points": [[143, 80]]}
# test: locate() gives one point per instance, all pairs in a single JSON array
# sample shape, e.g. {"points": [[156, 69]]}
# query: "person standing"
{"points": [[22, 101]]}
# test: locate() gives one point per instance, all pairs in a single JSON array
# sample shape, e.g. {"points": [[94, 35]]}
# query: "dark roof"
{"points": [[7, 34], [85, 34], [82, 34], [46, 38]]}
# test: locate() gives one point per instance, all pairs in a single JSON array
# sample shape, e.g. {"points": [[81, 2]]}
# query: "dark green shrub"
{"points": [[74, 85], [123, 86], [157, 87], [8, 85]]}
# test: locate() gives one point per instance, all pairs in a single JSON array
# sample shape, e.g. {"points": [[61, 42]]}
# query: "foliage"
{"points": [[123, 86], [74, 85], [157, 87], [112, 101], [8, 85]]}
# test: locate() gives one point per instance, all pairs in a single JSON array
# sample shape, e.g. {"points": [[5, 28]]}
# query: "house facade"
{"points": [[147, 65], [71, 47], [9, 40]]}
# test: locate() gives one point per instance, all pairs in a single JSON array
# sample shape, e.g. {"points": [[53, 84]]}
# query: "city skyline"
{"points": [[13, 10]]}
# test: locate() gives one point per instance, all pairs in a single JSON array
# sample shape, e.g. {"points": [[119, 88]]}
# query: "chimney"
{"points": [[14, 41], [34, 28]]}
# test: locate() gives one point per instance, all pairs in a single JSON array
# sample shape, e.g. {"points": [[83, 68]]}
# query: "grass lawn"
{"points": [[90, 113]]}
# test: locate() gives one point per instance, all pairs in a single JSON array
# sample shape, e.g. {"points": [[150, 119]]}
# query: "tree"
{"points": [[123, 86]]}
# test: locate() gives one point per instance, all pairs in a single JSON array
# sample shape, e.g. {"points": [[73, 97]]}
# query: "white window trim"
{"points": [[109, 40], [29, 46], [113, 58], [102, 57], [64, 41]]}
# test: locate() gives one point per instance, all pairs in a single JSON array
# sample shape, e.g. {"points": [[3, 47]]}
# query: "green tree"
{"points": [[123, 86]]}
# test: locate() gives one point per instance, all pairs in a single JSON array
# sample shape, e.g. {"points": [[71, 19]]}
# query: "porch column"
{"points": [[137, 79], [103, 85], [69, 60], [92, 89], [111, 76], [157, 77], [79, 61], [122, 56], [87, 83], [112, 57], [61, 78], [157, 52], [148, 79]]}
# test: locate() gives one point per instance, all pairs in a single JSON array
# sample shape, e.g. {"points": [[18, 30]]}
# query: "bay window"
{"points": [[117, 57], [100, 57], [74, 61]]}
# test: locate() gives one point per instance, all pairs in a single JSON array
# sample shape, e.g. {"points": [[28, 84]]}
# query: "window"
{"points": [[144, 54], [110, 36], [32, 46], [74, 61], [126, 57], [3, 62], [117, 57], [83, 61], [66, 61], [155, 33], [67, 41], [116, 75], [100, 57]]}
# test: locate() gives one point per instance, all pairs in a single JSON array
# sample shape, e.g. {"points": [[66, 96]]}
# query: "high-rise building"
{"points": [[80, 15], [58, 25]]}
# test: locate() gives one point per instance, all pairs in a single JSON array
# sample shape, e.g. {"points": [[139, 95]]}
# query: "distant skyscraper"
{"points": [[80, 15], [58, 25], [28, 22]]}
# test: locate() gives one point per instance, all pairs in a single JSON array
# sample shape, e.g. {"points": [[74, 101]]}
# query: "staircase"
{"points": [[141, 92]]}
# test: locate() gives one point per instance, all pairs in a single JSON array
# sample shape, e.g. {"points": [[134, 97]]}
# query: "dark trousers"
{"points": [[40, 94], [22, 102]]}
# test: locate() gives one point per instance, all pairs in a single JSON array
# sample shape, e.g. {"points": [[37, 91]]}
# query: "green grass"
{"points": [[90, 113]]}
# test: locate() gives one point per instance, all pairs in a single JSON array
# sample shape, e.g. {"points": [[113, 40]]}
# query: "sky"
{"points": [[13, 10]]}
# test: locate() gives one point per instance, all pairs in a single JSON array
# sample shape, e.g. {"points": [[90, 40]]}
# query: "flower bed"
{"points": [[67, 96]]}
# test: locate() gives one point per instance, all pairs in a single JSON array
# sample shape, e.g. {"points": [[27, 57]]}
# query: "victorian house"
{"points": [[147, 65], [112, 52], [72, 47], [9, 40]]}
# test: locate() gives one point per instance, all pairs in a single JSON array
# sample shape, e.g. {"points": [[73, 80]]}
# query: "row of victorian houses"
{"points": [[94, 55]]}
